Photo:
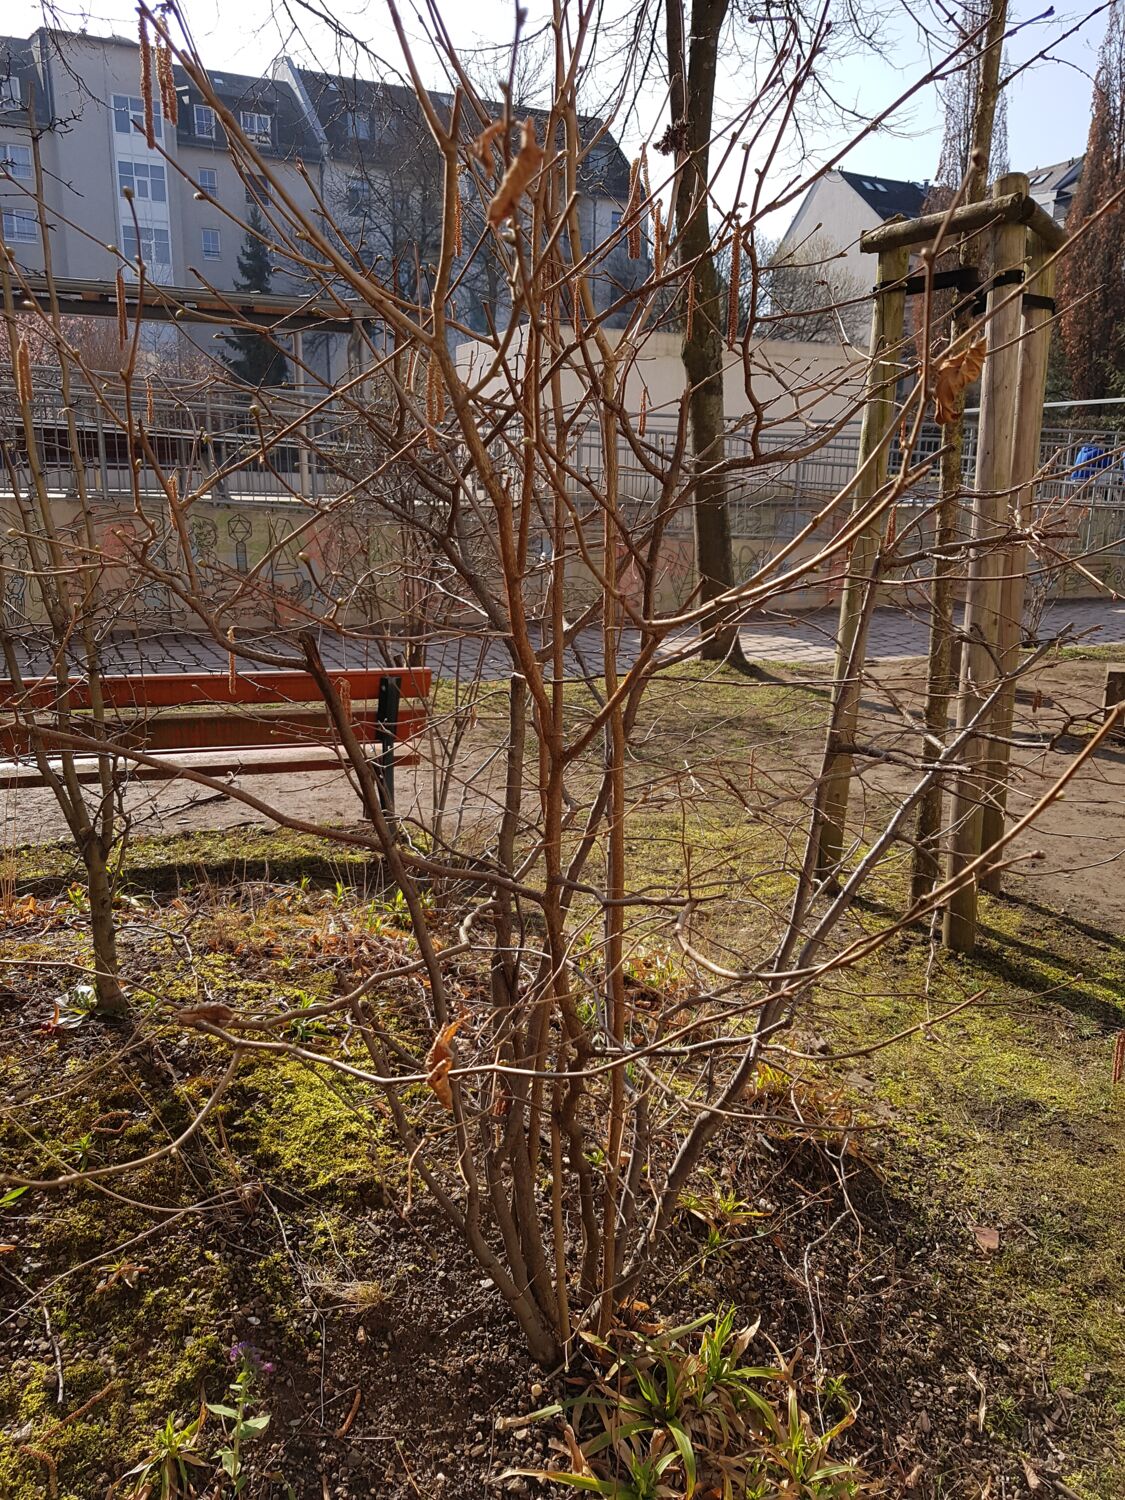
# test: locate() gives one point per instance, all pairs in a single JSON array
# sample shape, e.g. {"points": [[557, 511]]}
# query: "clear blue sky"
{"points": [[1048, 107]]}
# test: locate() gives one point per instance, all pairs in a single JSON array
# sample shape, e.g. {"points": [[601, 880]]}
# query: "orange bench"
{"points": [[255, 723]]}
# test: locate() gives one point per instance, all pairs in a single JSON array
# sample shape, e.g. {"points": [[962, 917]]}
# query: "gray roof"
{"points": [[18, 60], [1049, 180], [373, 122], [290, 134], [888, 195]]}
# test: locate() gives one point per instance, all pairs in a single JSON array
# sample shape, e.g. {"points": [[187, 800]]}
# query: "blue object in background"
{"points": [[1088, 461]]}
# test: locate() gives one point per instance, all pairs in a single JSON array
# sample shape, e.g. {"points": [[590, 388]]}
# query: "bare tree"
{"points": [[810, 297]]}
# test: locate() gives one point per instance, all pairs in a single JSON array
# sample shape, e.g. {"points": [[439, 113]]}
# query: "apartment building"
{"points": [[360, 150]]}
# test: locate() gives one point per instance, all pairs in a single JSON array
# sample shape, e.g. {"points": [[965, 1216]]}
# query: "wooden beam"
{"points": [[1037, 323], [141, 690], [984, 598], [183, 304], [1007, 208], [887, 322]]}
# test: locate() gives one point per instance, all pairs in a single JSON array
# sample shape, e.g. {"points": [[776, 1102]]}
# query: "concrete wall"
{"points": [[806, 385]]}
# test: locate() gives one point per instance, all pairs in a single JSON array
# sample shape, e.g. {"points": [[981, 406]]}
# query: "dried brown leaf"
{"points": [[482, 146], [987, 1238], [517, 179], [214, 1013], [439, 1060], [954, 374]]}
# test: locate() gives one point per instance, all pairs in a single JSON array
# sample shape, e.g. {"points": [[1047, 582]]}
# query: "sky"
{"points": [[1048, 104]]}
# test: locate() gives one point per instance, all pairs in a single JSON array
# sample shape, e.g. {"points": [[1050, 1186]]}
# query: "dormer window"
{"points": [[204, 122], [11, 94], [257, 125], [358, 124]]}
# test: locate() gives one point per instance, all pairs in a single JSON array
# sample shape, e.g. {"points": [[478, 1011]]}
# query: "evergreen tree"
{"points": [[255, 359], [1092, 275]]}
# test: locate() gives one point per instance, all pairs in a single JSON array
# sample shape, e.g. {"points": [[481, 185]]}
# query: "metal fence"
{"points": [[210, 437]]}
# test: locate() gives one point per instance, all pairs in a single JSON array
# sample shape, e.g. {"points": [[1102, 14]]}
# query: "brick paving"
{"points": [[31, 815], [804, 639]]}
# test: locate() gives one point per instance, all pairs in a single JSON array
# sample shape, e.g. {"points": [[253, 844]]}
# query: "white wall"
{"points": [[798, 384], [835, 214]]}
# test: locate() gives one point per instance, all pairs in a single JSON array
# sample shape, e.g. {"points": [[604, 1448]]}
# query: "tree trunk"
{"points": [[103, 930], [692, 103]]}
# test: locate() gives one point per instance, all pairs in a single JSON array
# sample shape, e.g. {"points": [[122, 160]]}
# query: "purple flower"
{"points": [[246, 1352]]}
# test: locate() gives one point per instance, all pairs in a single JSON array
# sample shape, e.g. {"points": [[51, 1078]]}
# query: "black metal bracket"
{"points": [[1036, 299], [386, 732], [961, 278]]}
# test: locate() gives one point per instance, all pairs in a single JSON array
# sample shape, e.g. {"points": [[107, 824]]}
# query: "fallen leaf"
{"points": [[988, 1239], [1033, 1480], [439, 1060], [517, 179], [577, 1457], [954, 373], [215, 1014]]}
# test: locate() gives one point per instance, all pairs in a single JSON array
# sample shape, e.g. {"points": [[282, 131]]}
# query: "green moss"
{"points": [[313, 1129], [185, 861]]}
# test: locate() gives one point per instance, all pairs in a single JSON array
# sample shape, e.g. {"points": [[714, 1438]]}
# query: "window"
{"points": [[11, 94], [129, 116], [212, 244], [359, 195], [257, 188], [16, 160], [359, 125], [209, 179], [154, 246], [205, 121], [20, 226], [145, 178], [258, 126], [615, 223]]}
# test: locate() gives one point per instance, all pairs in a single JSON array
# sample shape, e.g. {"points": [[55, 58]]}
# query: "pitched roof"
{"points": [[19, 65], [887, 195], [1063, 174], [370, 122]]}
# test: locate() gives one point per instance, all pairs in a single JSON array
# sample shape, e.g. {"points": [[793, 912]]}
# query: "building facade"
{"points": [[823, 237], [349, 151]]}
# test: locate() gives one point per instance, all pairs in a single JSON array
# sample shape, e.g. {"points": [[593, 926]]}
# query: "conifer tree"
{"points": [[255, 360], [1092, 275]]}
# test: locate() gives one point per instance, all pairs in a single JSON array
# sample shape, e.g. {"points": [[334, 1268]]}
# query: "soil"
{"points": [[947, 1247]]}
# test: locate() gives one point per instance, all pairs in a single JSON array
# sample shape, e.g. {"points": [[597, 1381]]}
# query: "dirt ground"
{"points": [[303, 1234], [1071, 859]]}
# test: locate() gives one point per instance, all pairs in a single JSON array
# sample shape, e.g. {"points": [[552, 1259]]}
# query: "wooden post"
{"points": [[887, 320], [1025, 461], [984, 601], [300, 383]]}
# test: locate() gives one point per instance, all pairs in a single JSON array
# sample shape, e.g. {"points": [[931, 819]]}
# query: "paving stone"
{"points": [[804, 639]]}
